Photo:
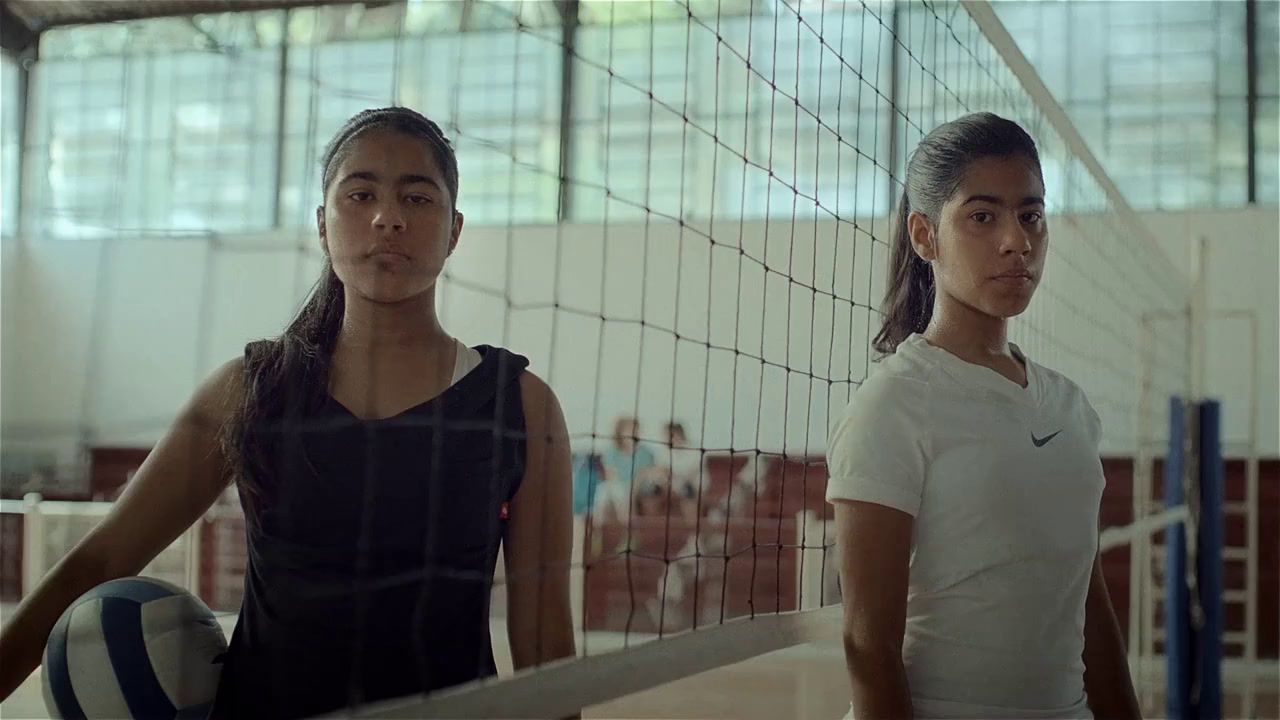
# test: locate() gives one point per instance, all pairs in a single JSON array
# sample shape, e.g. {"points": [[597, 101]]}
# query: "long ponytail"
{"points": [[908, 302], [281, 377]]}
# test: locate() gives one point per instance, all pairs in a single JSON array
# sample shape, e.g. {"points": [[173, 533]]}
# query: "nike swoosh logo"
{"points": [[1041, 442]]}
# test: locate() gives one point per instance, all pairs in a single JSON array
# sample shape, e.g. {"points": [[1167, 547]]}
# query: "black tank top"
{"points": [[372, 553]]}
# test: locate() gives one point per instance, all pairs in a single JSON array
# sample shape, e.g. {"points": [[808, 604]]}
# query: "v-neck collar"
{"points": [[441, 396], [981, 375]]}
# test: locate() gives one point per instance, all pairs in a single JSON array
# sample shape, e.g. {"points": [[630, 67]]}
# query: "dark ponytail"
{"points": [[908, 302], [934, 172], [290, 374]]}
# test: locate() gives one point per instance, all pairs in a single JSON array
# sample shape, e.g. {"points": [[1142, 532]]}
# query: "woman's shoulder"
{"points": [[534, 389], [895, 382], [501, 367], [541, 406], [218, 397]]}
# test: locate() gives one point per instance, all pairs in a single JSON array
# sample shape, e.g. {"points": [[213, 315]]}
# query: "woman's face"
{"points": [[388, 221], [676, 438], [988, 247], [626, 432]]}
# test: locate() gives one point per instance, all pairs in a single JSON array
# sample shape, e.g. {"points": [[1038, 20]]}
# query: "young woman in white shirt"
{"points": [[965, 477]]}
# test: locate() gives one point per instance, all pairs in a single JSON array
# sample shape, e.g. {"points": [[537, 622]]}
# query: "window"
{"points": [[142, 133], [694, 109], [10, 150], [669, 118], [1267, 130], [633, 89], [1157, 91], [833, 145], [493, 90]]}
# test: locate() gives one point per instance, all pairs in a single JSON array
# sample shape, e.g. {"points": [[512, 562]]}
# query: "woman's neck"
{"points": [[390, 356], [966, 332], [395, 327]]}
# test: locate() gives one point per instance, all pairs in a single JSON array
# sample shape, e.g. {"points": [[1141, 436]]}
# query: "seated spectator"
{"points": [[677, 481], [621, 463]]}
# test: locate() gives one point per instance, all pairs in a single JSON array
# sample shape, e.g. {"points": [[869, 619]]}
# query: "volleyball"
{"points": [[133, 648]]}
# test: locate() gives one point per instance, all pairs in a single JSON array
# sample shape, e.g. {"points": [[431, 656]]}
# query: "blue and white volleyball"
{"points": [[133, 648]]}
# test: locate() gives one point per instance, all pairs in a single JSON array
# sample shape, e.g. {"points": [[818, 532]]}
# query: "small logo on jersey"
{"points": [[1041, 442], [504, 512]]}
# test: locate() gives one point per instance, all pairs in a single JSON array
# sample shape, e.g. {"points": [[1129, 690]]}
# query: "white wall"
{"points": [[1242, 273], [104, 340], [111, 337], [625, 296]]}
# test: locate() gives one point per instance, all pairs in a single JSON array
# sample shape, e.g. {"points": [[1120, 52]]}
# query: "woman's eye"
{"points": [[983, 216], [1031, 217]]}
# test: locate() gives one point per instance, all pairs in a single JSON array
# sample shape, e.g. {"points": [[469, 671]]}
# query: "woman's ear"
{"points": [[324, 236], [923, 238], [455, 231]]}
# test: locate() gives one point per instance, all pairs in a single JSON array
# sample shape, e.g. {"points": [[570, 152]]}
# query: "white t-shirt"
{"points": [[686, 465], [1004, 483]]}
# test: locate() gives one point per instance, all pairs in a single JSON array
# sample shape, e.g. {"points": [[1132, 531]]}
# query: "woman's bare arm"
{"points": [[875, 550], [1106, 664], [182, 476], [538, 543]]}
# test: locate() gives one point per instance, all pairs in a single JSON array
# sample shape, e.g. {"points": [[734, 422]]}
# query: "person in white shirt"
{"points": [[965, 477], [686, 462], [672, 483]]}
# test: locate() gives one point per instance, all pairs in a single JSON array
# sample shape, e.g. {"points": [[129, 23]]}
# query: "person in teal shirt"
{"points": [[621, 463]]}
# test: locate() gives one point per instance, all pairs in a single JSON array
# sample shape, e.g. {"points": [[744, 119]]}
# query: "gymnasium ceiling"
{"points": [[22, 20]]}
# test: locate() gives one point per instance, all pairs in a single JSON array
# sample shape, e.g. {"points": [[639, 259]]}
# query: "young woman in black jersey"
{"points": [[380, 463]]}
